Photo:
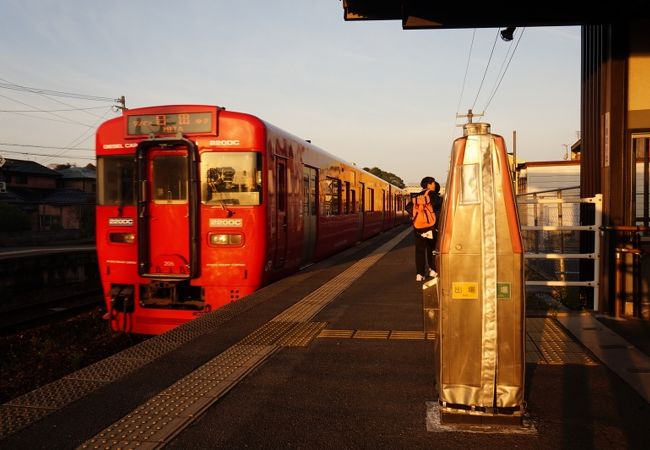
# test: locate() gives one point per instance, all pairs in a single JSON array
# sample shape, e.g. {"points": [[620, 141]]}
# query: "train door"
{"points": [[309, 213], [362, 209], [167, 212], [281, 225]]}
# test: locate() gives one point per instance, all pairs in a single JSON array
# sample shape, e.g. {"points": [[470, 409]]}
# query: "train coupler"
{"points": [[122, 298]]}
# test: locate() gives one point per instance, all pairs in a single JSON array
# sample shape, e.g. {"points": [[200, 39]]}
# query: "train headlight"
{"points": [[122, 238], [225, 239]]}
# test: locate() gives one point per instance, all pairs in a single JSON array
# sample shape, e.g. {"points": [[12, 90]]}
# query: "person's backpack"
{"points": [[423, 216]]}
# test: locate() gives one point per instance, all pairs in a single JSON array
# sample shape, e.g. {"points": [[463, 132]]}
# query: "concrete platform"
{"points": [[333, 357]]}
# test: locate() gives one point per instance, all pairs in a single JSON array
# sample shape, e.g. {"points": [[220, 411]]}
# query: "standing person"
{"points": [[421, 208], [436, 200]]}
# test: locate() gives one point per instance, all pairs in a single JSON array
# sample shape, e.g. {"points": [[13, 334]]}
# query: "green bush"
{"points": [[13, 218]]}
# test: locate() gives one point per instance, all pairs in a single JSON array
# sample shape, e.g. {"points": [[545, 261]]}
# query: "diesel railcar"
{"points": [[198, 206]]}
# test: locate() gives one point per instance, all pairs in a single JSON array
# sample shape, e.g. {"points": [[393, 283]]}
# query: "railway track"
{"points": [[38, 313]]}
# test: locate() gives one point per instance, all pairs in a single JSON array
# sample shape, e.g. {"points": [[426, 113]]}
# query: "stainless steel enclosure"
{"points": [[480, 353]]}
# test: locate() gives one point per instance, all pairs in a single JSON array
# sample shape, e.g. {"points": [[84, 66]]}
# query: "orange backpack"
{"points": [[423, 215]]}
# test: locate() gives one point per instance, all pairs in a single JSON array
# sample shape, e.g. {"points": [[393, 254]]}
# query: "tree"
{"points": [[387, 176]]}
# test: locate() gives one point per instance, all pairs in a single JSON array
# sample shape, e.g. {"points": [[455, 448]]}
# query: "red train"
{"points": [[198, 206]]}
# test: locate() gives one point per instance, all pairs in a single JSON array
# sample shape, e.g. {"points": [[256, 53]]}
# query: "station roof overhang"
{"points": [[427, 14]]}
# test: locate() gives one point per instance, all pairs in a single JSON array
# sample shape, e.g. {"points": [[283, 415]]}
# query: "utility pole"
{"points": [[469, 116], [122, 103]]}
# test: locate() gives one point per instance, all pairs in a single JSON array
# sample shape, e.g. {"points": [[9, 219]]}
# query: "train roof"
{"points": [[266, 124]]}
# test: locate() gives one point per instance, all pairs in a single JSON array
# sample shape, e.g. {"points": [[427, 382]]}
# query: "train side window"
{"points": [[231, 178], [362, 200], [353, 201], [332, 196], [116, 180], [310, 184], [313, 194], [370, 200]]}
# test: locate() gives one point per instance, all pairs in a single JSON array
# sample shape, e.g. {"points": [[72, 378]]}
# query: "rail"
{"points": [[534, 200]]}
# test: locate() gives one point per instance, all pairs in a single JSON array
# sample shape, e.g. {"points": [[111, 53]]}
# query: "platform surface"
{"points": [[332, 357]]}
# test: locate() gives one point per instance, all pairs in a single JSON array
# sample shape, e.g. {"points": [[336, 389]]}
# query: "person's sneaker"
{"points": [[433, 273], [419, 277]]}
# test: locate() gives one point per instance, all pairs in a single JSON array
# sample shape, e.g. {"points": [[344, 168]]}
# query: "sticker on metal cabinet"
{"points": [[225, 223], [464, 290], [504, 291]]}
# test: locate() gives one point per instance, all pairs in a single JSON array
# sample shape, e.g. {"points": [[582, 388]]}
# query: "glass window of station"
{"points": [[231, 178]]}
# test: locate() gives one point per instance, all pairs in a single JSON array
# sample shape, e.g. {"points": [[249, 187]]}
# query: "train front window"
{"points": [[116, 180], [170, 179], [231, 178]]}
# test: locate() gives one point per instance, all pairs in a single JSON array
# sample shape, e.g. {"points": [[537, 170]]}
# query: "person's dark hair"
{"points": [[437, 188], [425, 181]]}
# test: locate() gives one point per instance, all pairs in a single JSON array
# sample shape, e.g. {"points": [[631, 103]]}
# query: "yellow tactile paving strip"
{"points": [[157, 421], [546, 341], [376, 334]]}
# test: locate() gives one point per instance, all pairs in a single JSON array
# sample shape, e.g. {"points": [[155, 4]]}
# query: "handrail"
{"points": [[626, 228], [549, 190]]}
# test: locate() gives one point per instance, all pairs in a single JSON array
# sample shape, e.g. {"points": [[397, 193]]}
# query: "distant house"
{"points": [[80, 178], [543, 179], [18, 174], [52, 199], [72, 205], [540, 176], [25, 184], [415, 188]]}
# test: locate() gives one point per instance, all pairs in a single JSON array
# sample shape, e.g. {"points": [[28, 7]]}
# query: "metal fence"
{"points": [[552, 232]]}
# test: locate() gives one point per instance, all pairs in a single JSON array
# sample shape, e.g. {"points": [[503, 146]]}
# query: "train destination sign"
{"points": [[194, 122]]}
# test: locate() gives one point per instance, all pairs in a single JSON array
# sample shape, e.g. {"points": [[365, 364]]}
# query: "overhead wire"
{"points": [[44, 146], [80, 139], [61, 118], [84, 136], [462, 90], [45, 155], [89, 158], [487, 66], [504, 71], [503, 63], [17, 87], [469, 57], [47, 94], [48, 111]]}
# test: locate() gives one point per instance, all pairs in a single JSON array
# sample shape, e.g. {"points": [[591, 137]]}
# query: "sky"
{"points": [[368, 92]]}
